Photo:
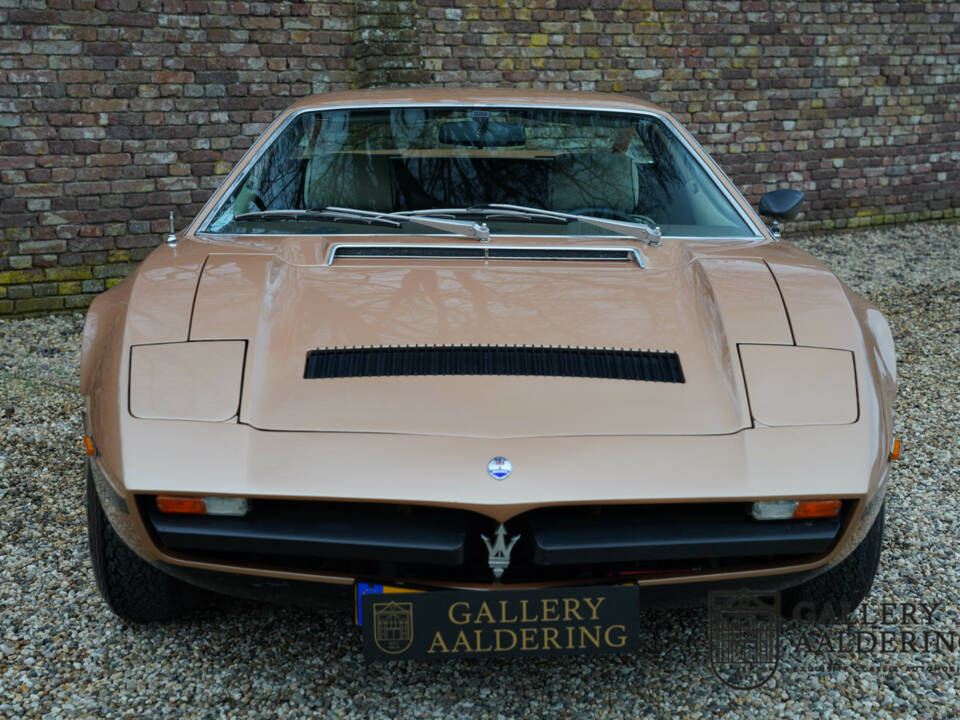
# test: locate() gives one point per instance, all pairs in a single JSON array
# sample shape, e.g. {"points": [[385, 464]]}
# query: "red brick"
{"points": [[110, 110]]}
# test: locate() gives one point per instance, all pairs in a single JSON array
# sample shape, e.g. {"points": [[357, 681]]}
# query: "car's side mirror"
{"points": [[780, 205]]}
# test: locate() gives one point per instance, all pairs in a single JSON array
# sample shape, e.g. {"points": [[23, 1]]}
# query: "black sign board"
{"points": [[547, 621]]}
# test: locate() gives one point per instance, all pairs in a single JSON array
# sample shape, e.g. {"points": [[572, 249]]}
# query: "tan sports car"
{"points": [[474, 345]]}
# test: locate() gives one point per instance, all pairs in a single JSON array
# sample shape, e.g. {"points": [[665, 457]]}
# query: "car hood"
{"points": [[286, 305]]}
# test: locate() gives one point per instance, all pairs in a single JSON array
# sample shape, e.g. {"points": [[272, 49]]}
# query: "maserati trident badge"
{"points": [[499, 468], [499, 551]]}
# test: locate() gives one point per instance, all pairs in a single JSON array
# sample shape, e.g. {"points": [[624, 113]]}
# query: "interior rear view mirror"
{"points": [[474, 133]]}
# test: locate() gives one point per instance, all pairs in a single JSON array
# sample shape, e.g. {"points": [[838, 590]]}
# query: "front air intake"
{"points": [[494, 360]]}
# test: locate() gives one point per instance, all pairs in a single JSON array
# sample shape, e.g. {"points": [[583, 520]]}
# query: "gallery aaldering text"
{"points": [[890, 627]]}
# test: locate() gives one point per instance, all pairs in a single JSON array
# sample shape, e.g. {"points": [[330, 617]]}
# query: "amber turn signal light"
{"points": [[89, 446], [817, 509], [895, 450], [237, 507], [794, 509], [181, 505]]}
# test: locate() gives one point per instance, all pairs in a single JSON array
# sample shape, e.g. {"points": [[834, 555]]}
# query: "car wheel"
{"points": [[133, 588], [840, 590]]}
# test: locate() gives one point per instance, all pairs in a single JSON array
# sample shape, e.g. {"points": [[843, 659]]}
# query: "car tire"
{"points": [[133, 588], [838, 592]]}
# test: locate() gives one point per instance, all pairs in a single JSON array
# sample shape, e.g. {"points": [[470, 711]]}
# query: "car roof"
{"points": [[473, 96]]}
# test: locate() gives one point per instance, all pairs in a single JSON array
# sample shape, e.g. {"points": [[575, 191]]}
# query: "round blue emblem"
{"points": [[499, 468]]}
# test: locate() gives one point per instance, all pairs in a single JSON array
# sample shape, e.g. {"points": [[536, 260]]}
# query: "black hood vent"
{"points": [[487, 252], [494, 360]]}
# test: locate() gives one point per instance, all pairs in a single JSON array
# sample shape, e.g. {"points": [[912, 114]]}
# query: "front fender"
{"points": [[152, 305]]}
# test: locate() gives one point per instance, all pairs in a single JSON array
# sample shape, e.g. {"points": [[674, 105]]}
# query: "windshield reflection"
{"points": [[627, 167]]}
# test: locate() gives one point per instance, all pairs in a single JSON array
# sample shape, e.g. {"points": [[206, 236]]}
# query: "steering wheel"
{"points": [[604, 212]]}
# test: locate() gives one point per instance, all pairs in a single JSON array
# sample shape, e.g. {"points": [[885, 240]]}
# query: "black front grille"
{"points": [[567, 543], [494, 360]]}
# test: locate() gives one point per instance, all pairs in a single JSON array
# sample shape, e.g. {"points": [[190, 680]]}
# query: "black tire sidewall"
{"points": [[134, 589]]}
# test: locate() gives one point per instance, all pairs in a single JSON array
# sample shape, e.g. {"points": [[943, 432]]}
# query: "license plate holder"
{"points": [[400, 624]]}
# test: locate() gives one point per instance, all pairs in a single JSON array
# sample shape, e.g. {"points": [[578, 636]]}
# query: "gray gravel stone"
{"points": [[62, 654]]}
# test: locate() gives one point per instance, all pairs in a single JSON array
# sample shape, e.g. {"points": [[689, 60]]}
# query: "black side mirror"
{"points": [[780, 205]]}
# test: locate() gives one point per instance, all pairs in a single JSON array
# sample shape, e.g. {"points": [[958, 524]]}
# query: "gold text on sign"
{"points": [[506, 612], [571, 637]]}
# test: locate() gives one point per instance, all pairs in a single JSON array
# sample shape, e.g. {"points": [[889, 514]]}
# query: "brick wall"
{"points": [[114, 112]]}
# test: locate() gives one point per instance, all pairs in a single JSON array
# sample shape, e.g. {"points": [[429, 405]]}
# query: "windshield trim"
{"points": [[207, 216]]}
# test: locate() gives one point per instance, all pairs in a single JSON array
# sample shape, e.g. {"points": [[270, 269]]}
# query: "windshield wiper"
{"points": [[326, 214], [651, 236], [478, 231], [469, 229], [485, 212]]}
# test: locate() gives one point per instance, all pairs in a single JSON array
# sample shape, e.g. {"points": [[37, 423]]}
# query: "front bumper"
{"points": [[670, 593], [341, 596], [439, 472]]}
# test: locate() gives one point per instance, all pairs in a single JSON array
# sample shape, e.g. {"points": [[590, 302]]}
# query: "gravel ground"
{"points": [[62, 653]]}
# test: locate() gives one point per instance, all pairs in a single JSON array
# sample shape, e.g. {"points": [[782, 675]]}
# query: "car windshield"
{"points": [[460, 161]]}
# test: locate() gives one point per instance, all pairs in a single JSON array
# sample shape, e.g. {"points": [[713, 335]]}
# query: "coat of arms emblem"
{"points": [[393, 626], [744, 637]]}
